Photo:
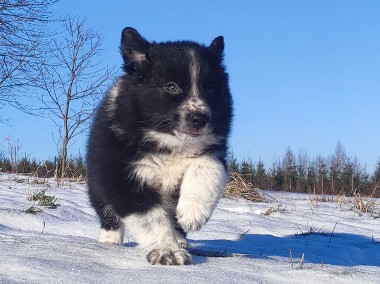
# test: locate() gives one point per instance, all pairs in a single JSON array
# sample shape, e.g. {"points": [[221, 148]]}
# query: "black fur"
{"points": [[145, 103]]}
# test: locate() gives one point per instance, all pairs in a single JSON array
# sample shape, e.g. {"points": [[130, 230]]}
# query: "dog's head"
{"points": [[181, 89]]}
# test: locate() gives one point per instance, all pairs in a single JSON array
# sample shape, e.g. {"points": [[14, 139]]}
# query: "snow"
{"points": [[243, 242]]}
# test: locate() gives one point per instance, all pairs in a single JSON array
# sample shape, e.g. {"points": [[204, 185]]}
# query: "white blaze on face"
{"points": [[194, 72], [194, 103]]}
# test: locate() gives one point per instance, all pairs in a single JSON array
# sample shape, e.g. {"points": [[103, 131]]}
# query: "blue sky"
{"points": [[303, 74]]}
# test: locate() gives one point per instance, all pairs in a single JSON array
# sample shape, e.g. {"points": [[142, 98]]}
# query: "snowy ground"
{"points": [[238, 245]]}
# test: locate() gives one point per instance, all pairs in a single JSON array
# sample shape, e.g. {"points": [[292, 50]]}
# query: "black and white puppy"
{"points": [[157, 148]]}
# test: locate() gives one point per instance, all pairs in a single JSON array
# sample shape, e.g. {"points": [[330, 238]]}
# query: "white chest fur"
{"points": [[162, 171]]}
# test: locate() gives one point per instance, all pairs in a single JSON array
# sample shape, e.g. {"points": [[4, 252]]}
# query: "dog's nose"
{"points": [[198, 119]]}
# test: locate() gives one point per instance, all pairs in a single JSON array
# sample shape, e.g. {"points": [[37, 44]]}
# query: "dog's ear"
{"points": [[134, 48], [217, 46]]}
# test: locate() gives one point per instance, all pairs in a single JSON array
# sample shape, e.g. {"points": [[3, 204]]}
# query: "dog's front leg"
{"points": [[202, 186]]}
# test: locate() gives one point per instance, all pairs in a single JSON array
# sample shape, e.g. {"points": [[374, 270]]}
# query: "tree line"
{"points": [[336, 174], [74, 168]]}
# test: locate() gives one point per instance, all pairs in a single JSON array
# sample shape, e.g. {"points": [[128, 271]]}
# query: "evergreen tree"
{"points": [[289, 169], [322, 174], [302, 164], [261, 179], [312, 177], [347, 179], [376, 175], [232, 163], [376, 181], [278, 176], [247, 169], [337, 163]]}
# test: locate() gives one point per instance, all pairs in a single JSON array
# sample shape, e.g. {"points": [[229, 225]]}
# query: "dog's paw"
{"points": [[169, 257], [112, 236], [191, 217]]}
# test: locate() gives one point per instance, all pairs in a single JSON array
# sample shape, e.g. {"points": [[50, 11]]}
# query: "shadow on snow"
{"points": [[319, 248]]}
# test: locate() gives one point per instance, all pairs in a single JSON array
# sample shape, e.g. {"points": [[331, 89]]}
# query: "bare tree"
{"points": [[23, 36], [14, 154], [73, 82]]}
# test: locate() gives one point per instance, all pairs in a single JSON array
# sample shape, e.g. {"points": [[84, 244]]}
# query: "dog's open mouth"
{"points": [[192, 133]]}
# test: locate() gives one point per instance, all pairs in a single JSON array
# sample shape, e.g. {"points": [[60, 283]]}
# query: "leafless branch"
{"points": [[23, 36], [73, 82]]}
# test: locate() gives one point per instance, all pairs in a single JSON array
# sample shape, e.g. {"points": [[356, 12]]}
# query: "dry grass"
{"points": [[364, 204], [239, 187], [274, 209], [316, 198], [361, 203], [37, 181], [340, 200], [292, 260]]}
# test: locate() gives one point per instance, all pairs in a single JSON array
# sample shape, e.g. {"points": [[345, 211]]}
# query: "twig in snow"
{"points": [[243, 235], [332, 234], [302, 260], [291, 257]]}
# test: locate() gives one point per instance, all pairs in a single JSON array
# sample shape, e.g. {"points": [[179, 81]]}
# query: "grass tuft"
{"points": [[209, 253], [43, 199], [32, 210], [313, 230]]}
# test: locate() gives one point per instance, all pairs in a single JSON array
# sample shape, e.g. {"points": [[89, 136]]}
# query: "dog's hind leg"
{"points": [[112, 228], [155, 232]]}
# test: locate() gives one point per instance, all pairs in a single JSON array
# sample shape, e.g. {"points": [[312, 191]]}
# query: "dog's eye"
{"points": [[172, 88]]}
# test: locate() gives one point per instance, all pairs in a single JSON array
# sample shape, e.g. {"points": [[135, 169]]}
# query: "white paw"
{"points": [[112, 236], [191, 217], [169, 257]]}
